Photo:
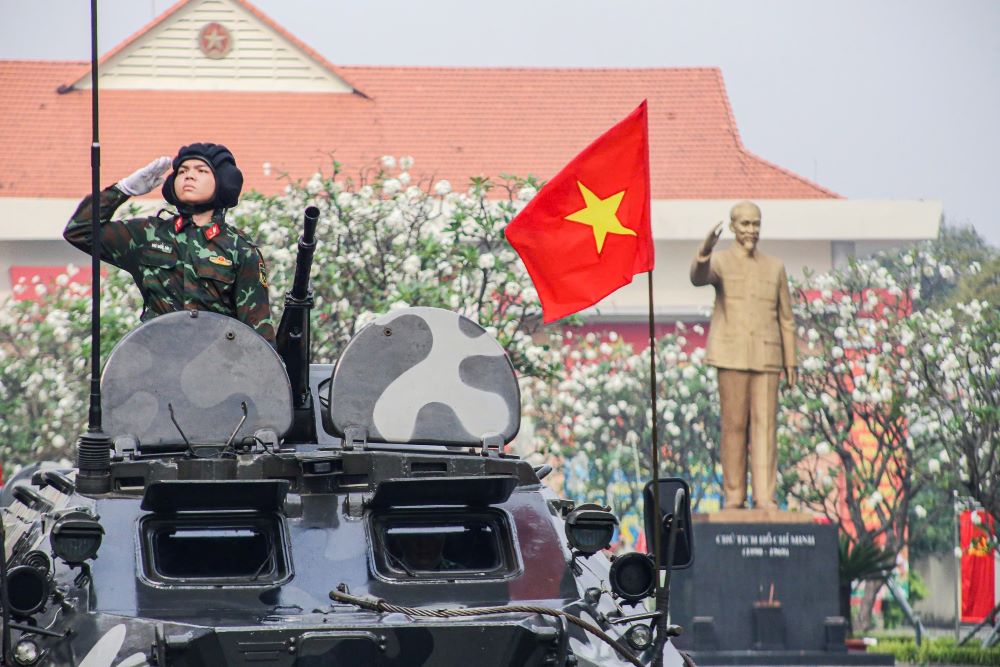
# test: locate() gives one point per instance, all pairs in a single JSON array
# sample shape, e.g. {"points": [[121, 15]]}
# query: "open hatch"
{"points": [[211, 533], [424, 376]]}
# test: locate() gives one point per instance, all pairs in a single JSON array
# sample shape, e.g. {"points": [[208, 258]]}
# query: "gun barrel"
{"points": [[303, 261]]}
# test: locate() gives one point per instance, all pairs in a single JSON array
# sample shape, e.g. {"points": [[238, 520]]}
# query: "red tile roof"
{"points": [[456, 123]]}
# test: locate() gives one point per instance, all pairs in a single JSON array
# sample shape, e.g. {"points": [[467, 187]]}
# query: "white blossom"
{"points": [[411, 265]]}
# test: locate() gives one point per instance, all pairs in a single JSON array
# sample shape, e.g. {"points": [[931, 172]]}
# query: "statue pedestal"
{"points": [[763, 590], [753, 516]]}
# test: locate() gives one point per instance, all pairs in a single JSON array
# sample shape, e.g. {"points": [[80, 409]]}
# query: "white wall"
{"points": [[799, 232], [673, 293]]}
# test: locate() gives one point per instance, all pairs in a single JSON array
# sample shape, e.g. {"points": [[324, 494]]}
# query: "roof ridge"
{"points": [[311, 52], [788, 172], [734, 130], [529, 68], [157, 20]]}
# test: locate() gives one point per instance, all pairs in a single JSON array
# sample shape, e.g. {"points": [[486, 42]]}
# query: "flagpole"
{"points": [[657, 553], [660, 588]]}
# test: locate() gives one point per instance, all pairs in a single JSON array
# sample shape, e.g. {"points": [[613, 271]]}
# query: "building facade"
{"points": [[221, 71]]}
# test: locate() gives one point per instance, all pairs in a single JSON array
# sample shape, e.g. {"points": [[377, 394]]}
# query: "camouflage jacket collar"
{"points": [[210, 231]]}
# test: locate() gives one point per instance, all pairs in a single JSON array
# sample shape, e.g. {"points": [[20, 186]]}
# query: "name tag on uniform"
{"points": [[220, 260], [162, 247]]}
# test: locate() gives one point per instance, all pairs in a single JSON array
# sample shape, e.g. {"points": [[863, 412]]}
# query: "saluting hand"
{"points": [[145, 179], [711, 240]]}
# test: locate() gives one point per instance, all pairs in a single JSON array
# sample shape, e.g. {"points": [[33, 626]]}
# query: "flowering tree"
{"points": [[846, 450], [957, 376], [45, 357], [863, 436], [383, 243], [597, 422], [957, 267]]}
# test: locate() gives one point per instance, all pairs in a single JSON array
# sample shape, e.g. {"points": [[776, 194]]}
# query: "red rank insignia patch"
{"points": [[178, 223], [212, 231]]}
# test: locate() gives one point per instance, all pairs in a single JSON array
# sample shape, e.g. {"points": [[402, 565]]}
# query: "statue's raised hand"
{"points": [[711, 240]]}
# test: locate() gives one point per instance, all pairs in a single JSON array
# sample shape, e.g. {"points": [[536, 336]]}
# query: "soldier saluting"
{"points": [[193, 260]]}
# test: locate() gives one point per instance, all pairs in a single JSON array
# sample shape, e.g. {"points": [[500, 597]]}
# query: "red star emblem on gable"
{"points": [[215, 41]]}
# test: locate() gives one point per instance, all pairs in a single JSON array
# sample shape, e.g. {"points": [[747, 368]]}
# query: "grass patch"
{"points": [[940, 651]]}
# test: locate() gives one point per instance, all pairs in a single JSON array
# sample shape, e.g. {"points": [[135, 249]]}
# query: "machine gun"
{"points": [[293, 339]]}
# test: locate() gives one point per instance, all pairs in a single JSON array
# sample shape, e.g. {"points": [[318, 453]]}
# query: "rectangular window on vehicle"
{"points": [[443, 544], [247, 549]]}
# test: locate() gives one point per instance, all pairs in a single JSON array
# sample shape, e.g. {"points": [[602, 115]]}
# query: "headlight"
{"points": [[26, 652], [590, 528], [632, 577], [27, 590], [639, 637], [76, 537]]}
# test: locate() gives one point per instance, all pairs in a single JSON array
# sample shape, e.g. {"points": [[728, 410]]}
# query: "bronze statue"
{"points": [[752, 339]]}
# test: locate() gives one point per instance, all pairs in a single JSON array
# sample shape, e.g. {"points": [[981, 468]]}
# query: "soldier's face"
{"points": [[424, 552], [194, 182], [746, 227]]}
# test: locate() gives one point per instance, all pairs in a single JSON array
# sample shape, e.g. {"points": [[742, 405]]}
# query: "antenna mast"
{"points": [[93, 457]]}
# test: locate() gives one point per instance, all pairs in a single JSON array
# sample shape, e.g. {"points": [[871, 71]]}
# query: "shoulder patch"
{"points": [[261, 270]]}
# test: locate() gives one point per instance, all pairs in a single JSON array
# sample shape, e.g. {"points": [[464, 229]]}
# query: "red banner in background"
{"points": [[32, 282], [979, 594]]}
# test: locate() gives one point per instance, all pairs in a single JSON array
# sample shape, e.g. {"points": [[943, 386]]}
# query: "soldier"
{"points": [[751, 340], [190, 261]]}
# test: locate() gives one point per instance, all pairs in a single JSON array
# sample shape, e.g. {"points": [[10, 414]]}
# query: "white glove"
{"points": [[146, 179]]}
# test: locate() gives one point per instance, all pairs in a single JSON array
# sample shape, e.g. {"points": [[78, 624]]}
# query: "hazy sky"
{"points": [[873, 99]]}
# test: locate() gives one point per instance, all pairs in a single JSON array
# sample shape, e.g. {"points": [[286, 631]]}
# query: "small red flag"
{"points": [[586, 233]]}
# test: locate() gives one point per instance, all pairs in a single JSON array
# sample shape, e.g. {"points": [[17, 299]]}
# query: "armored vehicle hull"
{"points": [[215, 546]]}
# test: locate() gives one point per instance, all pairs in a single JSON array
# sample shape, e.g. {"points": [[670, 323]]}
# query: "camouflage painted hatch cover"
{"points": [[425, 375], [204, 365]]}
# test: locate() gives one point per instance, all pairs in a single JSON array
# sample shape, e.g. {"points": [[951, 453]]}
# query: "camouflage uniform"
{"points": [[178, 265]]}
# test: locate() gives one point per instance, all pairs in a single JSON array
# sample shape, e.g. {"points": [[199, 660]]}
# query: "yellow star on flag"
{"points": [[601, 215]]}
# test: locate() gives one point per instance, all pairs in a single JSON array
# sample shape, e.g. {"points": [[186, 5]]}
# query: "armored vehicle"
{"points": [[258, 509]]}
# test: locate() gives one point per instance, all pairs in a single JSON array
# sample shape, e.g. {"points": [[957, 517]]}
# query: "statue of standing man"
{"points": [[751, 340]]}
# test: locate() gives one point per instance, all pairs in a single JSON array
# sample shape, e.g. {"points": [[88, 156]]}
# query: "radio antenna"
{"points": [[93, 453]]}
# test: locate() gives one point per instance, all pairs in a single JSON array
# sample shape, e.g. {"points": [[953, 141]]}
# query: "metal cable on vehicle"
{"points": [[380, 605]]}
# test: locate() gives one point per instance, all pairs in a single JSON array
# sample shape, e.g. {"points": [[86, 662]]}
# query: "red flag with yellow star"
{"points": [[586, 233]]}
